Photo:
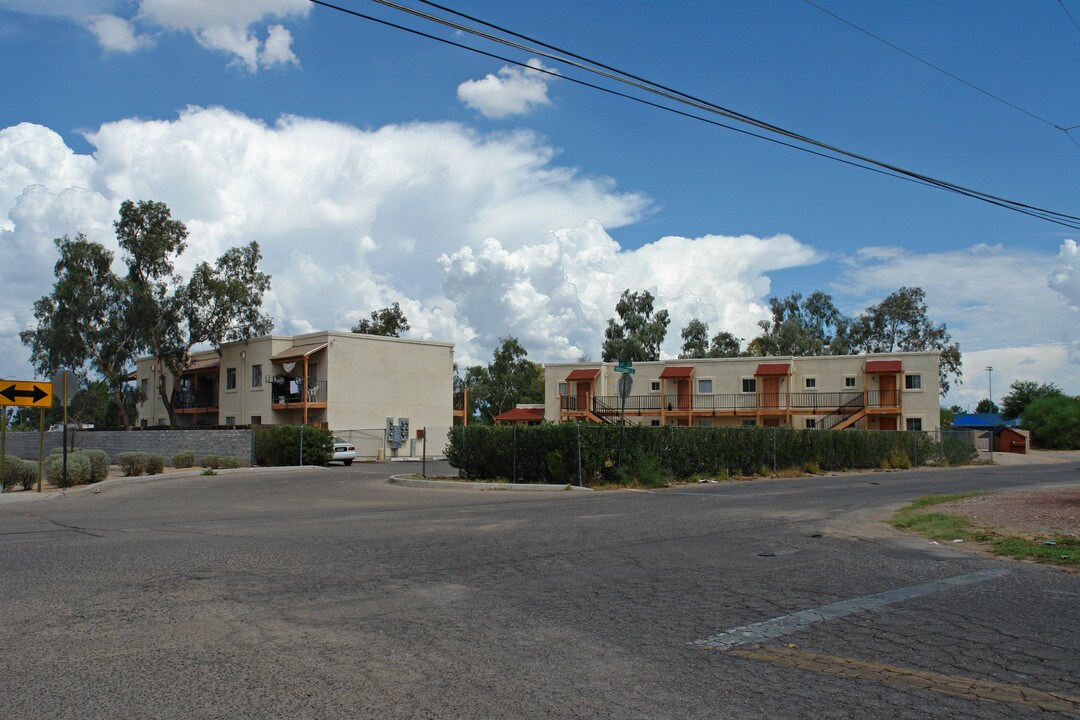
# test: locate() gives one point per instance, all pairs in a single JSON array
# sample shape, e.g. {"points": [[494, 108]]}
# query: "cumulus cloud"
{"points": [[115, 33], [1007, 307], [477, 236], [513, 91], [223, 26]]}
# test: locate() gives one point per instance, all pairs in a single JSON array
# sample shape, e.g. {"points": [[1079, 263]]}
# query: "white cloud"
{"points": [[477, 236], [514, 91], [999, 303], [115, 33], [216, 25]]}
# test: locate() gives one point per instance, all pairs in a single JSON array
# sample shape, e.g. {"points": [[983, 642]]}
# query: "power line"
{"points": [[1075, 24], [614, 74]]}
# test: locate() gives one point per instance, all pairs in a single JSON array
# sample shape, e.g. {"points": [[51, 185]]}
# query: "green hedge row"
{"points": [[550, 453], [278, 445]]}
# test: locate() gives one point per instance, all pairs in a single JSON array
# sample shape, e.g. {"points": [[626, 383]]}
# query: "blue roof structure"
{"points": [[982, 421]]}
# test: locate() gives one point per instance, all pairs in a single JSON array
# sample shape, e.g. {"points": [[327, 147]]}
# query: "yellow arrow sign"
{"points": [[26, 393]]}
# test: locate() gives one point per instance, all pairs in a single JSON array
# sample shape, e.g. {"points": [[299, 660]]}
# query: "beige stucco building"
{"points": [[897, 391], [340, 380]]}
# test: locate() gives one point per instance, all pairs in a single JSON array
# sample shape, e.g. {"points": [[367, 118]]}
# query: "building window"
{"points": [[913, 382], [749, 385], [230, 378], [162, 422], [704, 386], [811, 383], [256, 376], [749, 423], [142, 423], [256, 419], [654, 386], [562, 388], [655, 423], [811, 423], [230, 420], [914, 424], [849, 381]]}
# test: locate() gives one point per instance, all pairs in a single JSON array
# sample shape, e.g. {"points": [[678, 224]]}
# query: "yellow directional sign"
{"points": [[26, 393]]}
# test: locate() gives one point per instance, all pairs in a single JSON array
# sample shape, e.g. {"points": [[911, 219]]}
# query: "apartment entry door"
{"points": [[770, 396]]}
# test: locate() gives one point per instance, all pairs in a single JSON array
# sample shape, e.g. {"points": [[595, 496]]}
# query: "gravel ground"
{"points": [[1026, 513]]}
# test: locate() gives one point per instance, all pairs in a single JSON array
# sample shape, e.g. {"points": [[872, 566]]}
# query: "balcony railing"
{"points": [[286, 393], [848, 401], [196, 399]]}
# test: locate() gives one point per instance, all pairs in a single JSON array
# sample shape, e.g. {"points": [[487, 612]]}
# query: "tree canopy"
{"points": [[639, 332], [1024, 392], [1054, 422], [986, 406], [387, 321], [696, 343], [95, 318], [798, 327], [510, 378]]}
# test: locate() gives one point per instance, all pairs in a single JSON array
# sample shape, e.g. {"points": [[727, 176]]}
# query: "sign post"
{"points": [[68, 383], [21, 393], [626, 383]]}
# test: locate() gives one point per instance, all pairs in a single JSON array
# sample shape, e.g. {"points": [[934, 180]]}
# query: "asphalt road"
{"points": [[330, 593]]}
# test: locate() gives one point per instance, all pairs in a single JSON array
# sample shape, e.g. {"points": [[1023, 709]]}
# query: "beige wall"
{"points": [[368, 379]]}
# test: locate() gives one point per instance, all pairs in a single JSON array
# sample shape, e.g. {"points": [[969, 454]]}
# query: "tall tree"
{"points": [[1054, 422], [387, 321], [85, 323], [798, 327], [510, 378], [219, 303], [900, 323], [696, 343], [638, 334], [1024, 392], [986, 406]]}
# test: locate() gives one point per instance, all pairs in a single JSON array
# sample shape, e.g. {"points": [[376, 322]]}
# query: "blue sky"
{"points": [[374, 166]]}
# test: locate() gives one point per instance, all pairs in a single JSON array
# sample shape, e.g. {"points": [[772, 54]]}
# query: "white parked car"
{"points": [[343, 451]]}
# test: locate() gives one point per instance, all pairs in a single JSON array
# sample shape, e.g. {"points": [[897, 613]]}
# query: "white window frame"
{"points": [[563, 387], [910, 419], [810, 423], [256, 375], [711, 386], [850, 381], [752, 381], [230, 379], [810, 383], [654, 386], [917, 377]]}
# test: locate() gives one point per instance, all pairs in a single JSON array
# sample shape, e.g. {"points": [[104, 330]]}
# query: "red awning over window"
{"points": [[772, 369], [884, 366], [676, 373], [583, 374]]}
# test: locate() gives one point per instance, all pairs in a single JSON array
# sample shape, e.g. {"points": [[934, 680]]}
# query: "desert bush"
{"points": [[99, 464], [78, 469], [216, 462], [132, 463], [19, 472], [183, 459], [154, 464]]}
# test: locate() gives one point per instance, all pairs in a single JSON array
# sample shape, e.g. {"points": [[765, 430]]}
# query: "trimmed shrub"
{"points": [[19, 472], [78, 469], [99, 464], [277, 445], [216, 462], [154, 464], [183, 459], [132, 463], [549, 453]]}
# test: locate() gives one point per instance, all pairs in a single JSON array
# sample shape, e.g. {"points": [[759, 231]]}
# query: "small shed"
{"points": [[1012, 440], [522, 415]]}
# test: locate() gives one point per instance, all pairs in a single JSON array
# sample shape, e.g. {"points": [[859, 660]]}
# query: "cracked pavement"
{"points": [[327, 593]]}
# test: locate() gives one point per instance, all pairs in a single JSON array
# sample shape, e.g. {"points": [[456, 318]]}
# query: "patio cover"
{"points": [[676, 373], [772, 369], [204, 364], [884, 366], [298, 352], [530, 414], [583, 374]]}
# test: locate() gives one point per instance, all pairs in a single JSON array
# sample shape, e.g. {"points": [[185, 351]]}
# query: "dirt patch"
{"points": [[1024, 513]]}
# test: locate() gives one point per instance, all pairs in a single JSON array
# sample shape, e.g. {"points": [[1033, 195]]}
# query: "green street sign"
{"points": [[624, 367]]}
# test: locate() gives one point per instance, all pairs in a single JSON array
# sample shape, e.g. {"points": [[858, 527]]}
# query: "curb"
{"points": [[465, 485], [9, 498]]}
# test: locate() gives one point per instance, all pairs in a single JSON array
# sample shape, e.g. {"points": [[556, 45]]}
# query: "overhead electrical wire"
{"points": [[1071, 18], [945, 72], [830, 152]]}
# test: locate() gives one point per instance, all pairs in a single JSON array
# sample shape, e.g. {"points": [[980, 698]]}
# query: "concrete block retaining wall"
{"points": [[233, 443]]}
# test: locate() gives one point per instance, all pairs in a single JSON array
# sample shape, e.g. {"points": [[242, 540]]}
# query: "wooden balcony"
{"points": [[294, 396]]}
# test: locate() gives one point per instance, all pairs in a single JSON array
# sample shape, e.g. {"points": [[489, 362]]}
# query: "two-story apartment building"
{"points": [[342, 380], [897, 391]]}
